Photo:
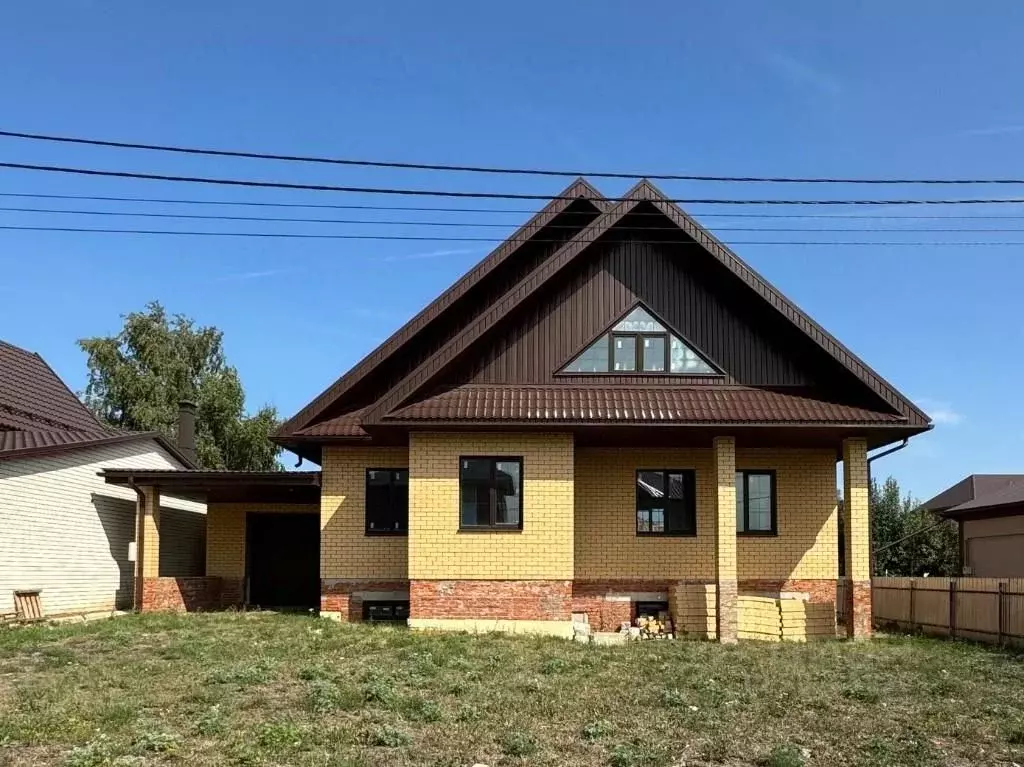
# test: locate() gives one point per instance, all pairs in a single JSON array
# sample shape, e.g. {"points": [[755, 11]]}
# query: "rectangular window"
{"points": [[491, 493], [387, 501], [665, 502], [755, 502], [654, 354], [624, 353]]}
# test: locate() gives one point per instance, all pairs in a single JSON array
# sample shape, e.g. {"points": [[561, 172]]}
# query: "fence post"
{"points": [[952, 608], [1001, 608], [913, 622]]}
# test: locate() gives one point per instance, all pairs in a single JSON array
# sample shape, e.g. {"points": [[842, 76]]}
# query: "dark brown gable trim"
{"points": [[577, 190], [793, 313], [644, 191], [513, 298]]}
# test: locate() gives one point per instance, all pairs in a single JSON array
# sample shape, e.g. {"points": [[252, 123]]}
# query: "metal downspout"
{"points": [[140, 510]]}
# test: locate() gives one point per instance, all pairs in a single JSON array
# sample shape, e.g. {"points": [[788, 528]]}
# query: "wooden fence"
{"points": [[983, 609]]}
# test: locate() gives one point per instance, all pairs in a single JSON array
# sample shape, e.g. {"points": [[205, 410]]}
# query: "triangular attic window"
{"points": [[639, 343]]}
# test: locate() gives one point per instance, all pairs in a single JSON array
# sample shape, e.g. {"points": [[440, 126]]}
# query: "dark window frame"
{"points": [[689, 501], [774, 508], [493, 505], [391, 484], [638, 350]]}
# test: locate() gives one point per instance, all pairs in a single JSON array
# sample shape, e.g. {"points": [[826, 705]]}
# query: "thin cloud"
{"points": [[993, 130], [252, 275], [804, 74], [942, 413], [429, 254]]}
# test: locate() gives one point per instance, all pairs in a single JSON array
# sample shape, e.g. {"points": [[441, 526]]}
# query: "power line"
{"points": [[477, 195], [479, 225], [416, 238], [517, 211], [491, 169]]}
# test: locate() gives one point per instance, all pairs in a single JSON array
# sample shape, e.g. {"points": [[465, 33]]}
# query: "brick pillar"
{"points": [[857, 534], [147, 543], [725, 539]]}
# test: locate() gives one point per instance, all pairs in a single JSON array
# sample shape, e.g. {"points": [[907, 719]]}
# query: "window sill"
{"points": [[386, 533], [490, 529], [757, 534], [665, 535]]}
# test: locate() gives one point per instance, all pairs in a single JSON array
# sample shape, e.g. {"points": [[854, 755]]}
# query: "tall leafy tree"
{"points": [[909, 540], [138, 377]]}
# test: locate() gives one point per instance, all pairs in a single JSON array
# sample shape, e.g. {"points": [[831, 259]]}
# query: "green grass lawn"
{"points": [[248, 689]]}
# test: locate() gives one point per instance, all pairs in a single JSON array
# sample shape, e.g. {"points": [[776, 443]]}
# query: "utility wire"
{"points": [[492, 170], [416, 238], [479, 225], [516, 211], [476, 195]]}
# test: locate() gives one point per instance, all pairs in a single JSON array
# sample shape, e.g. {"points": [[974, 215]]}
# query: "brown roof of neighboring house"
{"points": [[977, 493], [32, 395], [579, 404], [39, 414]]}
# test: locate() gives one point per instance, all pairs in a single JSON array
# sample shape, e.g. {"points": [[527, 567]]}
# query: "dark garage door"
{"points": [[283, 560]]}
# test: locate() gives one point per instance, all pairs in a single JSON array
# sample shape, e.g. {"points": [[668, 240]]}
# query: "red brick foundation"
{"points": [[604, 614], [344, 598], [606, 608], [196, 594], [858, 610], [491, 600]]}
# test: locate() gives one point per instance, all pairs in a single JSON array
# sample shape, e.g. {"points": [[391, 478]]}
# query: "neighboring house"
{"points": [[63, 531], [609, 406], [989, 512]]}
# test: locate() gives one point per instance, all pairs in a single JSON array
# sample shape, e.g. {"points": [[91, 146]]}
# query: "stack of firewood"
{"points": [[650, 627]]}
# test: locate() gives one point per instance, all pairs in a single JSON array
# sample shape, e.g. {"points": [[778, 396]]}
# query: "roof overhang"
{"points": [[984, 512], [224, 486]]}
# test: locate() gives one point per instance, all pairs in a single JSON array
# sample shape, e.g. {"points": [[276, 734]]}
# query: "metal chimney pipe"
{"points": [[187, 429]]}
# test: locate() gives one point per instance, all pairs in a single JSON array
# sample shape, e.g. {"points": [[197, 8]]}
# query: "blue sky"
{"points": [[797, 88]]}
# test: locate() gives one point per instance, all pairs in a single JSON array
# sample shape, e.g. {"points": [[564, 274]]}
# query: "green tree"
{"points": [[909, 540], [138, 377]]}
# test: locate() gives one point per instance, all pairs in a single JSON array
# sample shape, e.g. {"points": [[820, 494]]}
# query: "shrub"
{"points": [[519, 743]]}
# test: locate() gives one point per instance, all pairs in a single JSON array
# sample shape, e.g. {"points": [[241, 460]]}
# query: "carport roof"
{"points": [[224, 486]]}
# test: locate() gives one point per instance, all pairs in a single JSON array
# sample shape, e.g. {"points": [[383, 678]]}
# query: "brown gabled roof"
{"points": [[40, 415], [579, 189], [397, 404], [32, 395], [528, 286], [632, 405]]}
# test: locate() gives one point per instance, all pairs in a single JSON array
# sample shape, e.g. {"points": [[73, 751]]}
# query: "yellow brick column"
{"points": [[858, 538], [727, 609], [147, 542]]}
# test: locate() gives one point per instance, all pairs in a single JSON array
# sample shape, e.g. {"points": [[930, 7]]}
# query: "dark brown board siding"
{"points": [[750, 345]]}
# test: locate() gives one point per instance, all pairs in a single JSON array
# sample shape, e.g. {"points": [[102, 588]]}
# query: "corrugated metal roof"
{"points": [[347, 425], [634, 405], [32, 396]]}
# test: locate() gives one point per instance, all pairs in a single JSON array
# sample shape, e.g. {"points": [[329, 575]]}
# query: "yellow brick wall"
{"points": [[542, 550], [855, 492], [345, 549], [607, 546], [225, 534]]}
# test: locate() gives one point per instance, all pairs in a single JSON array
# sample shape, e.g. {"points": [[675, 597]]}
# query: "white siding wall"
{"points": [[65, 531]]}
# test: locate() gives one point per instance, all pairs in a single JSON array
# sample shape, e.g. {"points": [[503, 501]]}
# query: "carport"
{"points": [[262, 538]]}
